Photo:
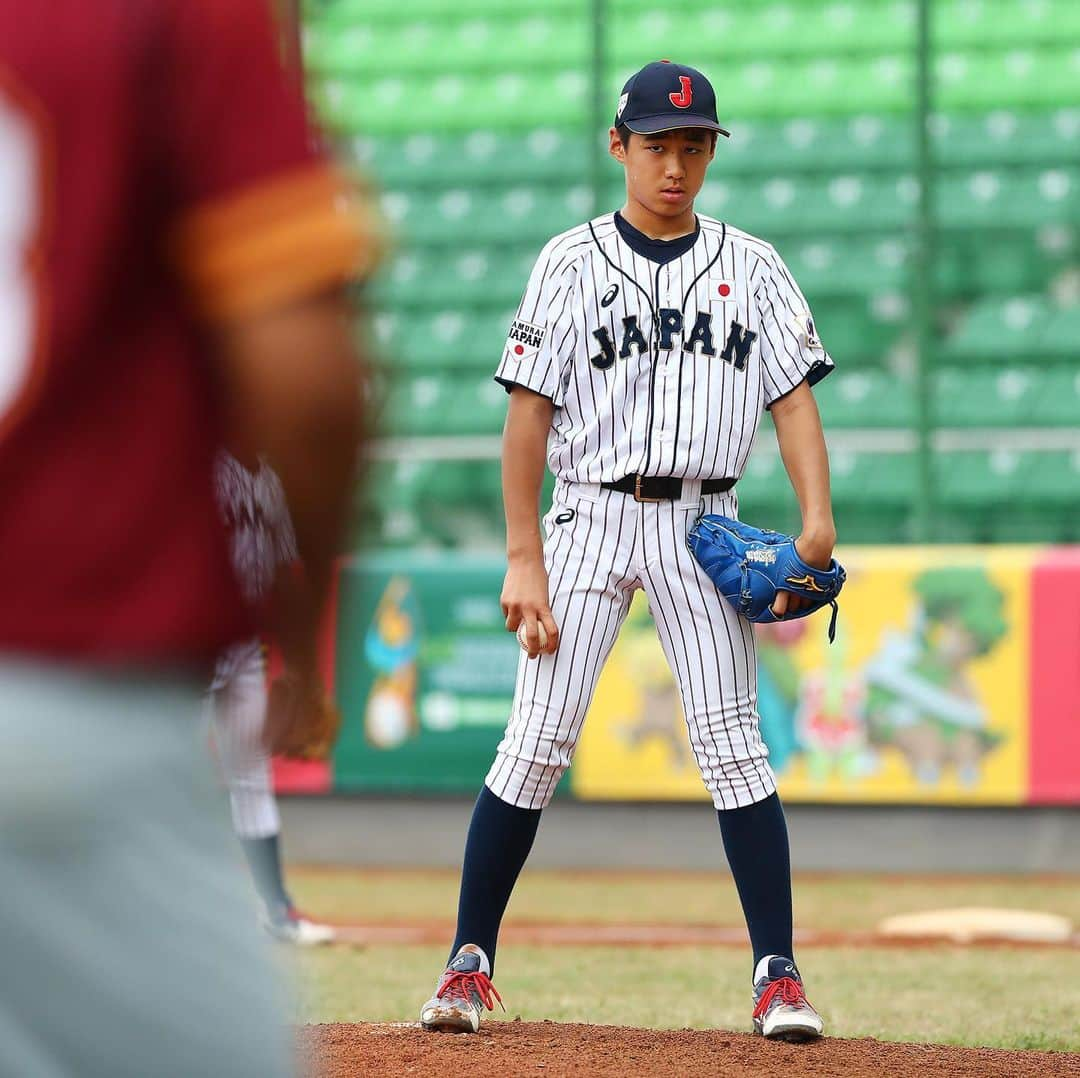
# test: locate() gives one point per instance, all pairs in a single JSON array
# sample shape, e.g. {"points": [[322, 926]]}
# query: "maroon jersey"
{"points": [[157, 174]]}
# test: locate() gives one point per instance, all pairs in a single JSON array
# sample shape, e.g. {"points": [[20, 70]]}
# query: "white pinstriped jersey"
{"points": [[261, 536], [659, 369]]}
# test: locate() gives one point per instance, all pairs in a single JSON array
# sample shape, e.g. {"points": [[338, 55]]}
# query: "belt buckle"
{"points": [[637, 492]]}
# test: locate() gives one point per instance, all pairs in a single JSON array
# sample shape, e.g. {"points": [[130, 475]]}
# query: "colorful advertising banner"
{"points": [[425, 673], [922, 698], [954, 679], [1055, 678]]}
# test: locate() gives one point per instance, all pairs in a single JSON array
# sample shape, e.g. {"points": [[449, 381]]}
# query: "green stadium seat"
{"points": [[869, 398], [343, 13], [1007, 137], [1009, 198], [1027, 78], [1007, 263], [475, 125], [849, 330], [1007, 397], [994, 329], [478, 405], [1003, 23], [843, 266], [873, 478], [1000, 477], [804, 146], [436, 341], [872, 494], [436, 278], [765, 86], [815, 144], [1015, 329], [418, 405], [799, 204], [1061, 337], [471, 216], [877, 478], [392, 511], [751, 30], [435, 160], [396, 104], [468, 45], [821, 29]]}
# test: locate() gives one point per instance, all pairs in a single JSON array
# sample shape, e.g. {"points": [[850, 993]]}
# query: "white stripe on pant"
{"points": [[237, 705], [612, 546]]}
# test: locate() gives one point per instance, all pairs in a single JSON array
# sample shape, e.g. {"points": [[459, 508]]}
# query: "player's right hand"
{"points": [[525, 599]]}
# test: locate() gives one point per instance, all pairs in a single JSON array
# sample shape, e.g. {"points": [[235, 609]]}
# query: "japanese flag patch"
{"points": [[806, 331], [524, 339]]}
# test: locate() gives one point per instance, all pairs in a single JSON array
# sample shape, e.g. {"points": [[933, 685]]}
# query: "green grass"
{"points": [[842, 903], [998, 997], [947, 995]]}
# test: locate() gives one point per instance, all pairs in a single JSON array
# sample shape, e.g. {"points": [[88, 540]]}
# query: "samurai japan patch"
{"points": [[525, 338]]}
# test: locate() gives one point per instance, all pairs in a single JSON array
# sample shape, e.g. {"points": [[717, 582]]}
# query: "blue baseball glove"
{"points": [[750, 565]]}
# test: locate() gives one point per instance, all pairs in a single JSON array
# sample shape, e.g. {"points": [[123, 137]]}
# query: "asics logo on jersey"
{"points": [[609, 296], [565, 516], [685, 96], [669, 323]]}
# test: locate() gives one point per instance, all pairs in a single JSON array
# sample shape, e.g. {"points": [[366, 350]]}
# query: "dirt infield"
{"points": [[643, 934], [504, 1049]]}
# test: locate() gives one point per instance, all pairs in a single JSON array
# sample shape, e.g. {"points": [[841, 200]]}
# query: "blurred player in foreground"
{"points": [[172, 251], [263, 547]]}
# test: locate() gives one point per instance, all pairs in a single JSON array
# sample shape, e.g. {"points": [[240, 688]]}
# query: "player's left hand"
{"points": [[814, 550], [301, 721]]}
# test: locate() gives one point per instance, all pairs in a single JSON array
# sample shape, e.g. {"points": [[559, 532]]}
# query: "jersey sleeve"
{"points": [[791, 350], [258, 215], [542, 337]]}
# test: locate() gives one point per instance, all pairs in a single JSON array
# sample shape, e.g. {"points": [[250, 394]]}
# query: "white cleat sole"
{"points": [[448, 1020], [303, 934], [794, 1032]]}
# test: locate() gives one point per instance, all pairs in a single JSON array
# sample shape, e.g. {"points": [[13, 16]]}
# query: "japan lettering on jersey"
{"points": [[659, 369]]}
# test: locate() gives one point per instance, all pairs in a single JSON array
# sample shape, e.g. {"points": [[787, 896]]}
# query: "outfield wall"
{"points": [[954, 680]]}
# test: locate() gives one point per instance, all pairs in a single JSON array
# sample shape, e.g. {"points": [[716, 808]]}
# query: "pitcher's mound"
{"points": [[507, 1049]]}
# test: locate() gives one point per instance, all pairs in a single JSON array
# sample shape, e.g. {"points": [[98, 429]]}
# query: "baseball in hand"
{"points": [[541, 635]]}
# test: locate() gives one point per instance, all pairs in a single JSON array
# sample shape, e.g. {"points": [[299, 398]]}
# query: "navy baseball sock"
{"points": [[756, 844], [500, 838], [264, 858]]}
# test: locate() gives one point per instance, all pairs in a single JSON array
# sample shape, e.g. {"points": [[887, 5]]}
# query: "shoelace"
{"points": [[787, 988], [462, 985]]}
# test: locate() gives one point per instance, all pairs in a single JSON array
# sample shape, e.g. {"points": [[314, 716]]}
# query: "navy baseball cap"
{"points": [[664, 96]]}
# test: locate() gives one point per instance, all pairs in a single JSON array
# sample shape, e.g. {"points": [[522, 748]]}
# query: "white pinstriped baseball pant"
{"points": [[612, 546], [237, 707]]}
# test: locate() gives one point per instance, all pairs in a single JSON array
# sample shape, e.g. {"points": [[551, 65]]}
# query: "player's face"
{"points": [[664, 172]]}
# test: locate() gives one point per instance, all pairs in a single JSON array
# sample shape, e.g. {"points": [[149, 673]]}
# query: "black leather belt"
{"points": [[658, 488]]}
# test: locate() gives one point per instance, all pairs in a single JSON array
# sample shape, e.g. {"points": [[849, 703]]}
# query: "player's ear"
{"points": [[615, 146]]}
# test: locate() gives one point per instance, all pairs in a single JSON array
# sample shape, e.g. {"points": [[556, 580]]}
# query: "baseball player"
{"points": [[647, 345], [262, 543], [174, 250]]}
